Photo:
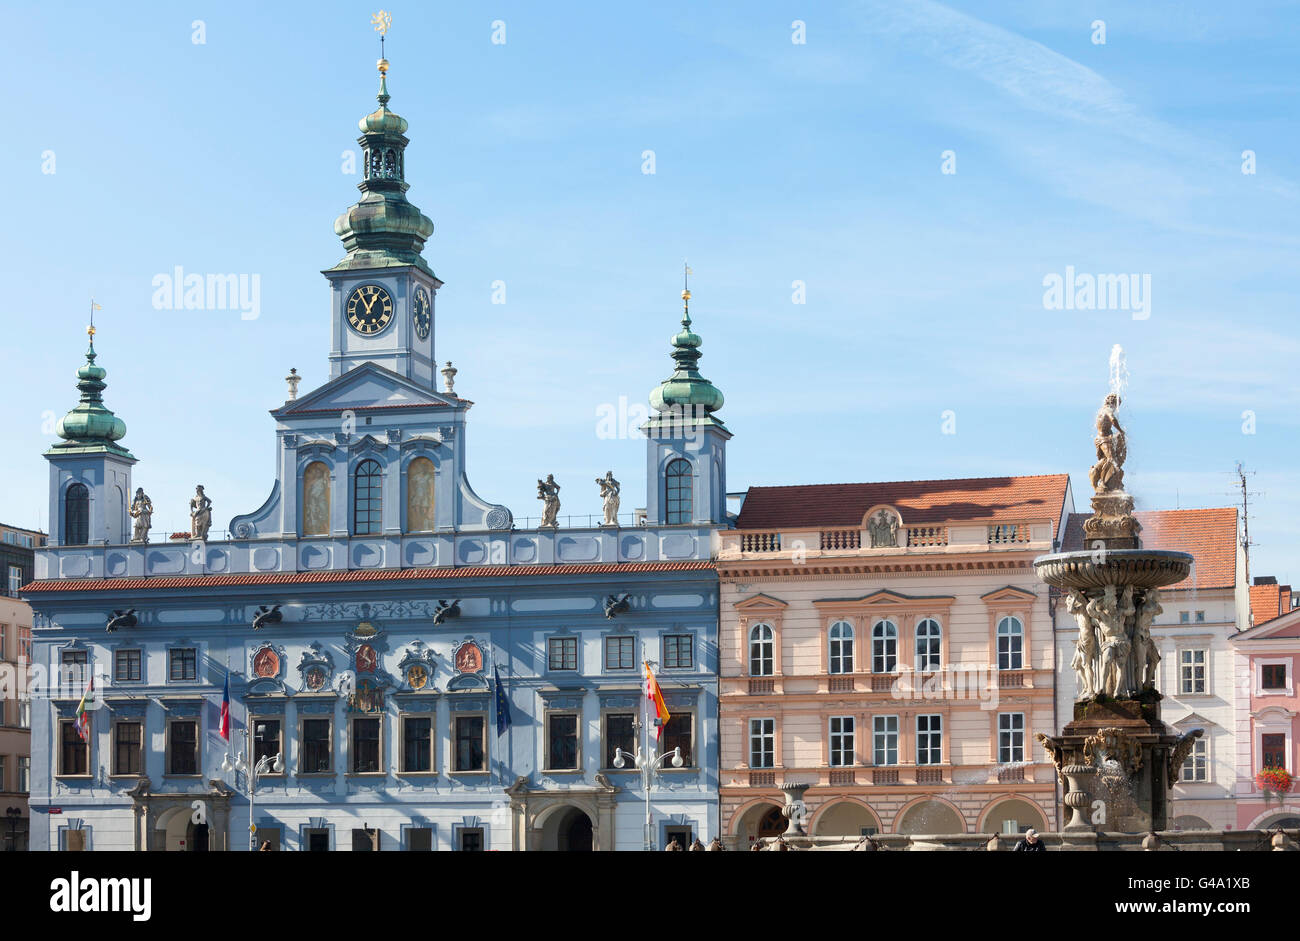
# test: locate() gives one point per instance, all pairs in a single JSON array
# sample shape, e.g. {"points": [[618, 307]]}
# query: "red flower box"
{"points": [[1274, 779]]}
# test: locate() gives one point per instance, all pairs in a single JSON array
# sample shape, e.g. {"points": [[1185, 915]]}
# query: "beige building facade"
{"points": [[889, 645]]}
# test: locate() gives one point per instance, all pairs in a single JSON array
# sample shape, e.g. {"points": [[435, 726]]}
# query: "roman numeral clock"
{"points": [[370, 309]]}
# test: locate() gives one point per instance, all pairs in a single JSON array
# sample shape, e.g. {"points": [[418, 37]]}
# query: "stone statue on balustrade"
{"points": [[200, 514], [609, 488], [548, 491], [142, 512]]}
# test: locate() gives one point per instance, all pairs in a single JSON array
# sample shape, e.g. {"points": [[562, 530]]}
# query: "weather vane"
{"points": [[93, 307], [382, 21]]}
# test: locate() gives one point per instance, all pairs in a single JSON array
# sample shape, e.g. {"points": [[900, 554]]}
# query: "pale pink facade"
{"points": [[1268, 718], [938, 738]]}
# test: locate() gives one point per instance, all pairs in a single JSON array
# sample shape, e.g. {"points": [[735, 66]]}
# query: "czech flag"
{"points": [[83, 711], [225, 710], [656, 696]]}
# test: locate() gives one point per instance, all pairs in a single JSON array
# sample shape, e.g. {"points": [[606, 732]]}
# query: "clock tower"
{"points": [[383, 289]]}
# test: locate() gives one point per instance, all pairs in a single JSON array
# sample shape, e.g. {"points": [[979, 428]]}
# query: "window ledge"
{"points": [[182, 777], [562, 770], [365, 774], [469, 774], [316, 774], [416, 774]]}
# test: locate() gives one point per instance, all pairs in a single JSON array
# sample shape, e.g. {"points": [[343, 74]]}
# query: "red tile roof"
{"points": [[970, 499], [1269, 601], [368, 575], [1210, 535]]}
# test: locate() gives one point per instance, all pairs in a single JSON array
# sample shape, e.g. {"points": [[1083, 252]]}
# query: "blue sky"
{"points": [[775, 162]]}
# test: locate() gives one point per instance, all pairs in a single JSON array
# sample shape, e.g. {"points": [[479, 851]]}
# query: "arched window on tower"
{"points": [[678, 492], [367, 486], [390, 164], [76, 515]]}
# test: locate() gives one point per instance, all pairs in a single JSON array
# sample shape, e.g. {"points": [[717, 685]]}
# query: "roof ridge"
{"points": [[932, 480]]}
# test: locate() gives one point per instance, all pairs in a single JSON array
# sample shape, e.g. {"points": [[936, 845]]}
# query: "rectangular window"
{"points": [[74, 672], [469, 744], [620, 732], [417, 744], [1197, 765], [843, 753], [762, 743], [15, 580], [929, 740], [1191, 672], [1273, 676], [183, 662], [679, 651], [561, 741], [266, 739], [419, 840], [317, 750], [270, 835], [4, 783], [318, 841], [24, 775], [884, 744], [619, 653], [183, 746], [128, 741], [364, 841], [126, 666], [471, 840], [4, 641], [679, 733], [1011, 737], [24, 714], [1273, 751], [25, 644], [682, 836], [563, 653], [1200, 616], [365, 746], [74, 757], [1184, 617]]}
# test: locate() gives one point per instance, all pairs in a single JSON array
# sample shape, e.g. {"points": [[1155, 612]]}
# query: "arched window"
{"points": [[841, 652], [419, 496], [1011, 644], [760, 650], [677, 492], [367, 484], [928, 634], [884, 647], [76, 515]]}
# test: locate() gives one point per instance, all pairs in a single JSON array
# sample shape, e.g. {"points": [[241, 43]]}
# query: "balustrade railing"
{"points": [[841, 539], [922, 536], [760, 542]]}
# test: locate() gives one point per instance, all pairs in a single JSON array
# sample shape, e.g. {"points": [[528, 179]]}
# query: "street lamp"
{"points": [[12, 815], [647, 766], [265, 765]]}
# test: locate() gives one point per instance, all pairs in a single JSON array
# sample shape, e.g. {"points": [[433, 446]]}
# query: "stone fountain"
{"points": [[1116, 759]]}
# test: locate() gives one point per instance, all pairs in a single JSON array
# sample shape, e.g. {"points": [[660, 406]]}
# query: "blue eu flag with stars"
{"points": [[503, 704]]}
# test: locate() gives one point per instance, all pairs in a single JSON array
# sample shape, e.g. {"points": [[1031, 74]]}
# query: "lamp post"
{"points": [[11, 817], [263, 765], [647, 766]]}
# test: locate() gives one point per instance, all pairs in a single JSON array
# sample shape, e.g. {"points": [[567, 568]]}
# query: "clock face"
{"points": [[370, 309], [420, 313]]}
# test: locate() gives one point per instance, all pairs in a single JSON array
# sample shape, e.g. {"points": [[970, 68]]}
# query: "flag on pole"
{"points": [[225, 709], [503, 704], [83, 711], [656, 696]]}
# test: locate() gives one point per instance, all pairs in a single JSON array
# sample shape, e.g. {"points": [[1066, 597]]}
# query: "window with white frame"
{"points": [[761, 650], [1011, 737], [679, 651], [884, 647], [928, 636], [15, 580], [884, 740], [1197, 765], [762, 743], [1191, 671], [620, 653], [1011, 643], [929, 740], [842, 752], [841, 647], [562, 653]]}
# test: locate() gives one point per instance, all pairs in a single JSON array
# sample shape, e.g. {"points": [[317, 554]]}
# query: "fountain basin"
{"points": [[1141, 568]]}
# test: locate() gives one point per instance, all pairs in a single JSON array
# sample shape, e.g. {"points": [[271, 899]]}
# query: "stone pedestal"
{"points": [[1118, 752]]}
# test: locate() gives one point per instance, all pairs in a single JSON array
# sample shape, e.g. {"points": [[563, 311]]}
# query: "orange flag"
{"points": [[656, 696]]}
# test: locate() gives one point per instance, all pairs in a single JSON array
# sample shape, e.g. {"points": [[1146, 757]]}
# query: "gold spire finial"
{"points": [[382, 21], [90, 330], [686, 291]]}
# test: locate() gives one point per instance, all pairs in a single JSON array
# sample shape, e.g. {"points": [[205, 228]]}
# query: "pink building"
{"points": [[1268, 705], [889, 645]]}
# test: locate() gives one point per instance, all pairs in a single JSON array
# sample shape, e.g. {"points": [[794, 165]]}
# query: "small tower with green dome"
{"points": [[686, 442], [90, 472], [383, 289]]}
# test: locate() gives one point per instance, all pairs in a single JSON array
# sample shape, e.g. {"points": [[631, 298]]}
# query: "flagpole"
{"points": [[646, 760]]}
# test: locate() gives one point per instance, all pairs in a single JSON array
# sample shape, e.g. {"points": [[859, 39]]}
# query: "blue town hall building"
{"points": [[364, 611]]}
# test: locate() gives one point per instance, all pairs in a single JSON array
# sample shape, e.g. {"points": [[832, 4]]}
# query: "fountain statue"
{"points": [[1116, 758]]}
